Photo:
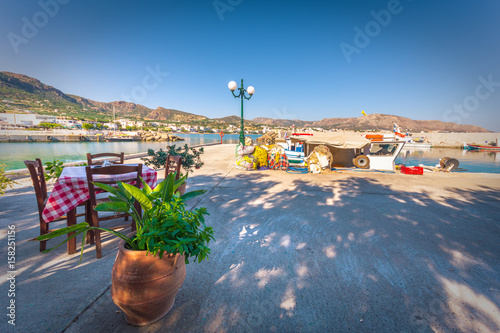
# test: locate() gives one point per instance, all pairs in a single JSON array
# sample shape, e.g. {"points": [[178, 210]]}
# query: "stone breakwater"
{"points": [[42, 137], [159, 136]]}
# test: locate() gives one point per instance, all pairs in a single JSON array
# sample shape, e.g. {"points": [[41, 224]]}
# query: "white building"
{"points": [[111, 126], [126, 122], [24, 119]]}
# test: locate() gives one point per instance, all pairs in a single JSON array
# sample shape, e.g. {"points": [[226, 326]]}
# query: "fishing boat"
{"points": [[348, 150], [468, 146], [120, 138], [116, 138], [411, 142]]}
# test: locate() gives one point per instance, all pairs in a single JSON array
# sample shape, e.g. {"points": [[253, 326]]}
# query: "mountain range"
{"points": [[21, 92]]}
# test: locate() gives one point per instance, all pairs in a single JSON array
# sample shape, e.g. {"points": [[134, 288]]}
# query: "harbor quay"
{"points": [[442, 140], [333, 252]]}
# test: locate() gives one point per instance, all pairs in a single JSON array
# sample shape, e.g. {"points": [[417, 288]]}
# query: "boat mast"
{"points": [[114, 122]]}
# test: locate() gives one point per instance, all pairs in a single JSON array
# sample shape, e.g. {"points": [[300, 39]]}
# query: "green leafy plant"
{"points": [[53, 169], [191, 158], [50, 125], [4, 180], [166, 225]]}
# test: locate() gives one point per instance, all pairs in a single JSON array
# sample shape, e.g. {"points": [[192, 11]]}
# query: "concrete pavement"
{"points": [[342, 252]]}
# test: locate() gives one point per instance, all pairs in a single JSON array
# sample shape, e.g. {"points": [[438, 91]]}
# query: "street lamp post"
{"points": [[251, 90]]}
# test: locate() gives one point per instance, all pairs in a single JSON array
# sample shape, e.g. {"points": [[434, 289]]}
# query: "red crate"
{"points": [[412, 170]]}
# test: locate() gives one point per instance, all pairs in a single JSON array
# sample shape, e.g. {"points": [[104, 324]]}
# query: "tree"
{"points": [[87, 126], [50, 125]]}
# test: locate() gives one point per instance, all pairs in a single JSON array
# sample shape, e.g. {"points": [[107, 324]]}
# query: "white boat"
{"points": [[383, 154], [417, 145], [354, 150], [120, 138]]}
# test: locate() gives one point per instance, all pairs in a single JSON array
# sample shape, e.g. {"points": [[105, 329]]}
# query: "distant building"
{"points": [[26, 120], [111, 126], [126, 122]]}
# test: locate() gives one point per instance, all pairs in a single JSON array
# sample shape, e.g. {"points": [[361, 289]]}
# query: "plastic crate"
{"points": [[412, 170]]}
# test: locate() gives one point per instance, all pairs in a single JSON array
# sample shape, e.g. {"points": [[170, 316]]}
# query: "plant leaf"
{"points": [[139, 196], [106, 188], [113, 207], [146, 188], [63, 231], [168, 190], [192, 194]]}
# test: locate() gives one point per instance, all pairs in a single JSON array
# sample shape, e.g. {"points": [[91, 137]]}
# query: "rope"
{"points": [[297, 170]]}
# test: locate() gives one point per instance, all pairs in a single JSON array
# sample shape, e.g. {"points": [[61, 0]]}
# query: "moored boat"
{"points": [[120, 138], [468, 146], [349, 149]]}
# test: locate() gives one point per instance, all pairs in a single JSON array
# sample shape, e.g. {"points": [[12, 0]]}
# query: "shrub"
{"points": [[4, 180], [191, 157], [53, 169]]}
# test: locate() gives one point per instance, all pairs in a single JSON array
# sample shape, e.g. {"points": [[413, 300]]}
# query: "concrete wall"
{"points": [[458, 139], [29, 137], [56, 135]]}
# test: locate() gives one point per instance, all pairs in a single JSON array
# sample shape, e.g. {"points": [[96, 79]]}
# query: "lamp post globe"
{"points": [[232, 85], [250, 90]]}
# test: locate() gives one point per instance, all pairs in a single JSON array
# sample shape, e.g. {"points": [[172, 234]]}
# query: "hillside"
{"points": [[173, 115], [26, 93], [229, 120], [283, 122], [377, 122]]}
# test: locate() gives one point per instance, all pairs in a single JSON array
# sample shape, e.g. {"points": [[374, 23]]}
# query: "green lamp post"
{"points": [[250, 90]]}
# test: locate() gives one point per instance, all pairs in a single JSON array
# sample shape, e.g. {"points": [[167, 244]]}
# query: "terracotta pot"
{"points": [[144, 286], [182, 189]]}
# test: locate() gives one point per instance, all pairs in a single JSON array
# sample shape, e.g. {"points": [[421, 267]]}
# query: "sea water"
{"points": [[13, 154], [470, 161]]}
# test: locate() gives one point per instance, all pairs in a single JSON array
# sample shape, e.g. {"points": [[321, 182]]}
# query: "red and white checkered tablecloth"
{"points": [[72, 189]]}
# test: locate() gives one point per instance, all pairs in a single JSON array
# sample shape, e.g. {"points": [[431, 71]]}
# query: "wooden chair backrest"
{"points": [[134, 170], [38, 177], [173, 164], [91, 157]]}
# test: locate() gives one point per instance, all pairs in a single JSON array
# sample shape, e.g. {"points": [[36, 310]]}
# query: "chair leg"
{"points": [[97, 235], [98, 247], [71, 220], [44, 229], [88, 218]]}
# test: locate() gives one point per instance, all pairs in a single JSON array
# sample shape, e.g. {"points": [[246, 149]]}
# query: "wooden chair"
{"points": [[173, 164], [35, 169], [135, 172], [91, 157]]}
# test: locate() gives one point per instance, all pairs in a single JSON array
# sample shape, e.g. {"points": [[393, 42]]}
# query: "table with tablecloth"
{"points": [[71, 189]]}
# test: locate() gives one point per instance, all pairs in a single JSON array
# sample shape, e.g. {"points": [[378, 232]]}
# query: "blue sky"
{"points": [[307, 60]]}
